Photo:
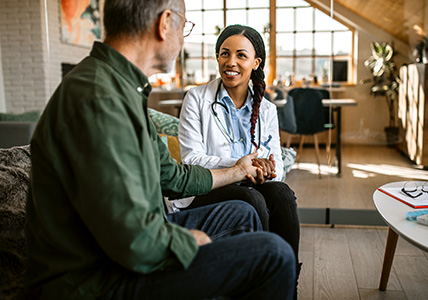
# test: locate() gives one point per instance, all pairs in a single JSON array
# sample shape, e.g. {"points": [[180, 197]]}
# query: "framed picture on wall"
{"points": [[80, 22]]}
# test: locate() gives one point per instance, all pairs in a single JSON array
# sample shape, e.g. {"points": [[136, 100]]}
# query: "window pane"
{"points": [[304, 44], [304, 19], [258, 19], [284, 68], [343, 43], [322, 43], [212, 70], [211, 20], [193, 4], [339, 26], [322, 68], [291, 3], [322, 21], [258, 3], [236, 17], [213, 4], [192, 66], [284, 44], [285, 19], [193, 49], [195, 17], [303, 68], [236, 3], [210, 41]]}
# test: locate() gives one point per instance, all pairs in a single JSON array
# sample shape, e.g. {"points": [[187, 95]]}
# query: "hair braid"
{"points": [[259, 87]]}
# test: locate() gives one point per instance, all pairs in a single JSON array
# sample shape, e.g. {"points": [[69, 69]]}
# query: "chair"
{"points": [[309, 115]]}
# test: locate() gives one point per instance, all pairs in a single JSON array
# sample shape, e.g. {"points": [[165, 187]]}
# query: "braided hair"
{"points": [[257, 75]]}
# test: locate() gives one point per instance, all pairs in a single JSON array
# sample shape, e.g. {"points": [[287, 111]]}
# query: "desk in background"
{"points": [[166, 101]]}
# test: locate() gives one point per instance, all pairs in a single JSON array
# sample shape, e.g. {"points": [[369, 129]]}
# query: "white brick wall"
{"points": [[31, 70]]}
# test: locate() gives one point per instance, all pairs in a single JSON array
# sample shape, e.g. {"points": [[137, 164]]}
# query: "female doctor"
{"points": [[228, 118]]}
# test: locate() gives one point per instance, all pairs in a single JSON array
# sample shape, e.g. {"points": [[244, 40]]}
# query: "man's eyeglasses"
{"points": [[188, 25], [414, 189]]}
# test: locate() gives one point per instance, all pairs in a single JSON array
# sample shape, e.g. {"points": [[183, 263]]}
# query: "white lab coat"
{"points": [[203, 142]]}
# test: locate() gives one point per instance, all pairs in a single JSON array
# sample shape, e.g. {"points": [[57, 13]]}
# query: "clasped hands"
{"points": [[259, 170]]}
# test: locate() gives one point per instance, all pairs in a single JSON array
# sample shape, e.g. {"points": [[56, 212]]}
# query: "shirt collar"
{"points": [[225, 98], [123, 66]]}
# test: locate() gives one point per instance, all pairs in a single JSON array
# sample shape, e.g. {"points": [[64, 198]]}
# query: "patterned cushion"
{"points": [[14, 175], [164, 123], [288, 158]]}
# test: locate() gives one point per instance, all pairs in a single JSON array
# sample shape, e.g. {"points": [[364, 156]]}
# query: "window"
{"points": [[305, 37]]}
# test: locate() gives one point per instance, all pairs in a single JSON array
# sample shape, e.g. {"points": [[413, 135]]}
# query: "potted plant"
{"points": [[385, 83]]}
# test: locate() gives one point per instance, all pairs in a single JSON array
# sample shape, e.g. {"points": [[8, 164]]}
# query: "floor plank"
{"points": [[367, 252], [333, 270], [306, 278], [413, 275], [378, 295], [345, 263]]}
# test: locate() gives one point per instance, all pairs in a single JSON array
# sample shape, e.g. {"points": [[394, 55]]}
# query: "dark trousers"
{"points": [[274, 202], [239, 264]]}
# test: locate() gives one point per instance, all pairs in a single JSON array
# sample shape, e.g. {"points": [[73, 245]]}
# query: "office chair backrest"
{"points": [[308, 110]]}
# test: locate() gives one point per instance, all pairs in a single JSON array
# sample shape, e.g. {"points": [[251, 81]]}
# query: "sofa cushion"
{"points": [[14, 175], [164, 123], [31, 116], [173, 146]]}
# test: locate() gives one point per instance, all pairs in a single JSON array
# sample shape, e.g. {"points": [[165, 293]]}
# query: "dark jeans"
{"points": [[274, 202], [256, 265]]}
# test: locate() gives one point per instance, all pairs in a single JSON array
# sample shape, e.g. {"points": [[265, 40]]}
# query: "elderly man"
{"points": [[96, 225]]}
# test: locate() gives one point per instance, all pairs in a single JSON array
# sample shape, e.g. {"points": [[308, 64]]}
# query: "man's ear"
{"points": [[164, 24]]}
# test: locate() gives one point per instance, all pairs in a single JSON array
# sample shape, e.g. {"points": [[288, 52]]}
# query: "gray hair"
{"points": [[133, 17]]}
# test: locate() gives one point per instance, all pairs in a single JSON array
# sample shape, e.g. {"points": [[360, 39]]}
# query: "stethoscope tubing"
{"points": [[222, 127]]}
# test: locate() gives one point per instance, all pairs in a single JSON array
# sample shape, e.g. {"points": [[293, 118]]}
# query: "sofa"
{"points": [[14, 178], [17, 129]]}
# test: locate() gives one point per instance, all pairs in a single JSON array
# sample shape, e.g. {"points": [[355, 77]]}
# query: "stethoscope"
{"points": [[224, 130]]}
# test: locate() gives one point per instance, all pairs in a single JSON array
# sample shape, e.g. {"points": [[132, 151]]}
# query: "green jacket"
{"points": [[99, 172]]}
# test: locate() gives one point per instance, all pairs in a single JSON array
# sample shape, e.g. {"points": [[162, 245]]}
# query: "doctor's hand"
{"points": [[267, 166]]}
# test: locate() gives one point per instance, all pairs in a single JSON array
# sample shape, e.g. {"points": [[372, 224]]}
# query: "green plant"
{"points": [[385, 79]]}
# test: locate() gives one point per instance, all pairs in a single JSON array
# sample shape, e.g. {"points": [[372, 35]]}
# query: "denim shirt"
{"points": [[240, 126]]}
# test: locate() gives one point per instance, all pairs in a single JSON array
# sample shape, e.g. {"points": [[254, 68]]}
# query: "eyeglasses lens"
{"points": [[411, 189]]}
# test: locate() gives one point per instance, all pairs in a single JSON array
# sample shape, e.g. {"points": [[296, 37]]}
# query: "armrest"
{"points": [[16, 133]]}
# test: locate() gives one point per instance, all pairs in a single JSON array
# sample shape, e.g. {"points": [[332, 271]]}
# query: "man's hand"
{"points": [[245, 163], [240, 171], [201, 237]]}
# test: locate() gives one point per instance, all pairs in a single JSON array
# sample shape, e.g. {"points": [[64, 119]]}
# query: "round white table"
{"points": [[393, 212]]}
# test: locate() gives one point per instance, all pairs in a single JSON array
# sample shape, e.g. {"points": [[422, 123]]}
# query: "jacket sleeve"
{"points": [[193, 143]]}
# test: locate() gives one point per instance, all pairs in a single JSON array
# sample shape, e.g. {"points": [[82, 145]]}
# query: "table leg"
{"points": [[391, 244], [338, 141]]}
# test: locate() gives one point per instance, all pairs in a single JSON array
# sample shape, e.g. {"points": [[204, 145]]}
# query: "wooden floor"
{"points": [[364, 169], [345, 263]]}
